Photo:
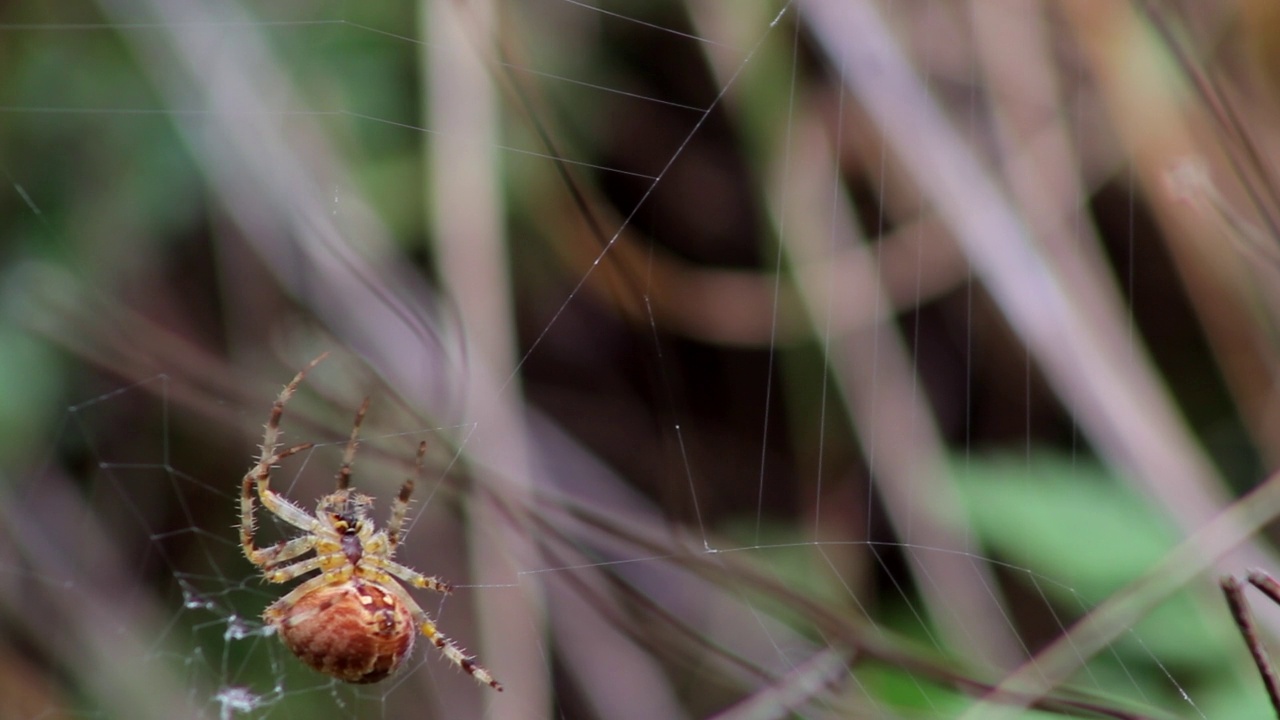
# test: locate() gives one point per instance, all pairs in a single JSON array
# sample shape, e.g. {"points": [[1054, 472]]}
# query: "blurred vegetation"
{"points": [[733, 412]]}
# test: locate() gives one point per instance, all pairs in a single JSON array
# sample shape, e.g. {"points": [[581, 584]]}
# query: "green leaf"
{"points": [[1065, 518]]}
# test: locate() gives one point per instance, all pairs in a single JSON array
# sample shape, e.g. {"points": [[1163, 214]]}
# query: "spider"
{"points": [[353, 621], [1240, 612]]}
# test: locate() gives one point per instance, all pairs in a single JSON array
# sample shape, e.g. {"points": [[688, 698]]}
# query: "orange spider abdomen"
{"points": [[356, 631]]}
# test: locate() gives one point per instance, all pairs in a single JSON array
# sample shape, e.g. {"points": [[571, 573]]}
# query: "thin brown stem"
{"points": [[1243, 616]]}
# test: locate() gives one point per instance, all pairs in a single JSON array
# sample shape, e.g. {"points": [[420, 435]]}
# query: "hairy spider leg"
{"points": [[448, 647], [349, 455], [379, 566], [271, 438], [328, 557], [281, 553], [259, 475], [337, 576], [401, 505], [269, 455], [1243, 617]]}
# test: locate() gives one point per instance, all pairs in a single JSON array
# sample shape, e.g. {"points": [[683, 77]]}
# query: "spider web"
{"points": [[797, 441]]}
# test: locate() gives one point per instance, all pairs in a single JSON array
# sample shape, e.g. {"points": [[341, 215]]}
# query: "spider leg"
{"points": [[329, 556], [280, 507], [271, 437], [344, 473], [378, 568], [281, 552], [1243, 617], [448, 647], [277, 610], [270, 454], [401, 505]]}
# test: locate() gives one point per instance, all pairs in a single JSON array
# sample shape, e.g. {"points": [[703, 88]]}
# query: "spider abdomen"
{"points": [[356, 631]]}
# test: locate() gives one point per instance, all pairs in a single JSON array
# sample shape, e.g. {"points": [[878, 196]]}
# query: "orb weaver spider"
{"points": [[1240, 612], [354, 621]]}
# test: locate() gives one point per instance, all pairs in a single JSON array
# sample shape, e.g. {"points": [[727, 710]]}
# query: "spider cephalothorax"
{"points": [[354, 620]]}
